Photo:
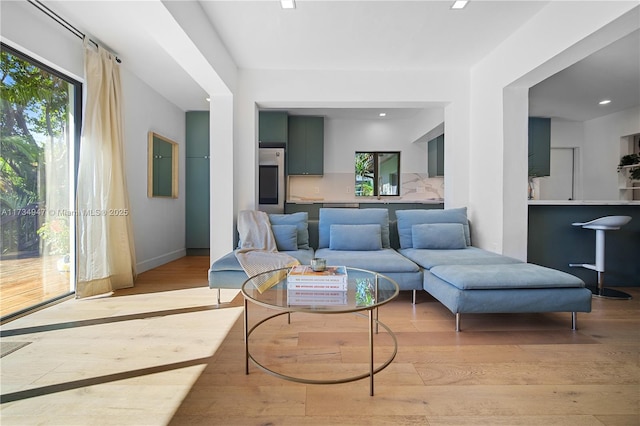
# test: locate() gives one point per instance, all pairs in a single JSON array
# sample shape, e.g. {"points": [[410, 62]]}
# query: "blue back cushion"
{"points": [[300, 220], [286, 237], [350, 216], [408, 218], [355, 237], [438, 236]]}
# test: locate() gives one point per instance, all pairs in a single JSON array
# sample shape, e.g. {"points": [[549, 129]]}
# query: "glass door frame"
{"points": [[75, 127]]}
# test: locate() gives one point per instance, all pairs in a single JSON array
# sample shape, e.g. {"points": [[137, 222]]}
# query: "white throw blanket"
{"points": [[258, 251]]}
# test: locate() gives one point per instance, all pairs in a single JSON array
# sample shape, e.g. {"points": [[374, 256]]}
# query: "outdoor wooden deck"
{"points": [[27, 282]]}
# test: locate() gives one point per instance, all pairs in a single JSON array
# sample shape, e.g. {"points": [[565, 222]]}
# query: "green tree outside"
{"points": [[34, 117]]}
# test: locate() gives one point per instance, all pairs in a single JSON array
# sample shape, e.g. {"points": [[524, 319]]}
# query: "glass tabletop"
{"points": [[365, 290]]}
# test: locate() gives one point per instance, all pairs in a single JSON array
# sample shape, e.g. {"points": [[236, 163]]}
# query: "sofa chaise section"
{"points": [[467, 279]]}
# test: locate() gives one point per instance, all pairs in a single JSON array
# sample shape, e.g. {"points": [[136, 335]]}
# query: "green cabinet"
{"points": [[539, 146], [197, 180], [162, 168], [435, 156], [273, 127], [305, 150]]}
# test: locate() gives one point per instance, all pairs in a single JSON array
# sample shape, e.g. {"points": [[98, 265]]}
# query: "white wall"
{"points": [[601, 153], [559, 35], [570, 134], [566, 133], [598, 152], [343, 137], [158, 224], [45, 40]]}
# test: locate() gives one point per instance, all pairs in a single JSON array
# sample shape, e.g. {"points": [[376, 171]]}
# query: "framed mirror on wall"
{"points": [[162, 169], [377, 173]]}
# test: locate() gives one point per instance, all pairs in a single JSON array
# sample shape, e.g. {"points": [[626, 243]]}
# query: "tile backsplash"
{"points": [[339, 187]]}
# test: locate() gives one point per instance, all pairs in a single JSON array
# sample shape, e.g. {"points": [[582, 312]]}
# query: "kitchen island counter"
{"points": [[365, 200], [554, 242], [583, 203]]}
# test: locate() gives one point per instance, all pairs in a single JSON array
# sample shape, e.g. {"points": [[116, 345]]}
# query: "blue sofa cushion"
{"points": [[408, 218], [355, 237], [446, 236], [286, 237], [520, 275], [347, 216], [299, 219], [428, 258], [384, 261]]}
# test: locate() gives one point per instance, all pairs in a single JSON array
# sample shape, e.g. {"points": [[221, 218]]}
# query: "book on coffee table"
{"points": [[302, 277], [316, 297]]}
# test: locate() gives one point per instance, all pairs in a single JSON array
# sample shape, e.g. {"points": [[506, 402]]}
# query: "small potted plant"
{"points": [[630, 160]]}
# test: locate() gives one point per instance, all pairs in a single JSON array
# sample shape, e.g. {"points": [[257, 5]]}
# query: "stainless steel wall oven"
{"points": [[271, 182]]}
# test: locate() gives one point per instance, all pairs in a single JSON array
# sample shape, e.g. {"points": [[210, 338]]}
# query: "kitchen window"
{"points": [[377, 173]]}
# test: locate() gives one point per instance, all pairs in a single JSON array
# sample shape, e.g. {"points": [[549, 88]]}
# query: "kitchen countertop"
{"points": [[372, 200], [583, 203]]}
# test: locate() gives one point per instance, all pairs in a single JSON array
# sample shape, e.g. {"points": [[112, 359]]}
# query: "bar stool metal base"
{"points": [[601, 225], [609, 293]]}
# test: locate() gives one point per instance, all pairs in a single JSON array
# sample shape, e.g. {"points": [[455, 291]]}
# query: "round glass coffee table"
{"points": [[366, 292]]}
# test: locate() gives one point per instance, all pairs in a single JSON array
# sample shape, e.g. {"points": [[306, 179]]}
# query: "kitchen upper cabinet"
{"points": [[197, 180], [435, 156], [273, 127], [305, 150], [539, 146]]}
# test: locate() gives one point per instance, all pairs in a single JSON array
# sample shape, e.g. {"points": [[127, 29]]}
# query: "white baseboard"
{"points": [[146, 265]]}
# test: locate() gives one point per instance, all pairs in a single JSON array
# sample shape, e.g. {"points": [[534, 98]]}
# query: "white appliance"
{"points": [[271, 187]]}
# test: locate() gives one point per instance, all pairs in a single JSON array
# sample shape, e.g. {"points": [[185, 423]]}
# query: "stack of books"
{"points": [[302, 277], [313, 297]]}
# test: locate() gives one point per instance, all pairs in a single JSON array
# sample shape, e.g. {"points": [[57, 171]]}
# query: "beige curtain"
{"points": [[106, 254]]}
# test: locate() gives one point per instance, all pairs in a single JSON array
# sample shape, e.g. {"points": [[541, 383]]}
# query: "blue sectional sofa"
{"points": [[423, 249]]}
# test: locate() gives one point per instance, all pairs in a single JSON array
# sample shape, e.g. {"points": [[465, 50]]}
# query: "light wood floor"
{"points": [[163, 353], [29, 281]]}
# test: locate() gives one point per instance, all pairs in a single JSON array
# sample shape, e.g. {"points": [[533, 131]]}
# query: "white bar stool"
{"points": [[601, 225]]}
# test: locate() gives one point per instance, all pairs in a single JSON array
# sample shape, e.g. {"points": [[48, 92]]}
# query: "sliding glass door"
{"points": [[40, 122]]}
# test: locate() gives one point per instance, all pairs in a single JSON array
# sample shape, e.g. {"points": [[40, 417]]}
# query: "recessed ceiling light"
{"points": [[459, 4], [383, 114], [208, 99], [288, 4], [605, 101]]}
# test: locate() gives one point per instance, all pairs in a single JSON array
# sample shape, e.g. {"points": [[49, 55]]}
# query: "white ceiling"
{"points": [[371, 35], [353, 35], [574, 93]]}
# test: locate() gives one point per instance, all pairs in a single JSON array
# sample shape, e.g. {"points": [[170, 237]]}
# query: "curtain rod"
{"points": [[60, 20]]}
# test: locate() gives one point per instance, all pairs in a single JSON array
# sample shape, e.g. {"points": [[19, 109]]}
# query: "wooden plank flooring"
{"points": [[162, 352], [30, 281], [520, 369]]}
